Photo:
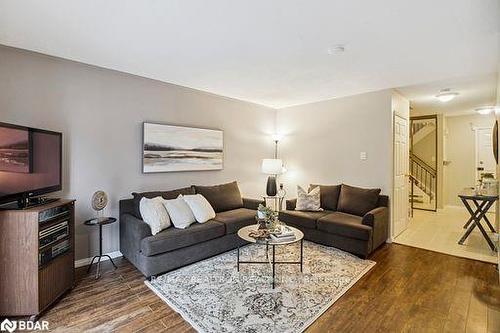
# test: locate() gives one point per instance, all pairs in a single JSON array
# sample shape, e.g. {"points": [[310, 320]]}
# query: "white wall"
{"points": [[460, 152], [322, 142], [100, 113]]}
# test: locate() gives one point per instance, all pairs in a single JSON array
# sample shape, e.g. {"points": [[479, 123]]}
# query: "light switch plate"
{"points": [[362, 155]]}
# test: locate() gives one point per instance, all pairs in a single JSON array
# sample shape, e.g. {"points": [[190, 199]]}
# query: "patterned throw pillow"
{"points": [[308, 201]]}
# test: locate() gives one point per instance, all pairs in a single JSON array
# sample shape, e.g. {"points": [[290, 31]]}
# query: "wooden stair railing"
{"points": [[424, 176]]}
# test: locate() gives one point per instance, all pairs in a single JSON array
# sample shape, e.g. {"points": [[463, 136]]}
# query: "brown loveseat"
{"points": [[353, 219], [173, 248]]}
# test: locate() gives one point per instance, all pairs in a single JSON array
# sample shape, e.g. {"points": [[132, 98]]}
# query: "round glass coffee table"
{"points": [[244, 232]]}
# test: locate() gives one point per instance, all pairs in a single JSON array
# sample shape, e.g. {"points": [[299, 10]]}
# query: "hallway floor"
{"points": [[440, 231]]}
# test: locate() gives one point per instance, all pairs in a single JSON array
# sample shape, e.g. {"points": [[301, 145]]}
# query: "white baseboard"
{"points": [[454, 207], [86, 261]]}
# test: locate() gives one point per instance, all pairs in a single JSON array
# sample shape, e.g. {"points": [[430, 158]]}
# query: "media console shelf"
{"points": [[37, 260]]}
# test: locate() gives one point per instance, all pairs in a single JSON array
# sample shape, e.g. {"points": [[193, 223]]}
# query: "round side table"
{"points": [[100, 222]]}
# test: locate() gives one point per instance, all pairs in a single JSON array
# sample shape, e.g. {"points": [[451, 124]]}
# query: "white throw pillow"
{"points": [[308, 201], [201, 208], [154, 214], [180, 213]]}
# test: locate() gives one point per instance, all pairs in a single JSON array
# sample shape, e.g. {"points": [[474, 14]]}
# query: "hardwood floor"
{"points": [[409, 290]]}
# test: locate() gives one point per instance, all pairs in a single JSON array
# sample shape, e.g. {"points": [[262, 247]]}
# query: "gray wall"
{"points": [[323, 141], [100, 113], [460, 144]]}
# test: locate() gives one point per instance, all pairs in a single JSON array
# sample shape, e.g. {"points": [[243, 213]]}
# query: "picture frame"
{"points": [[174, 148]]}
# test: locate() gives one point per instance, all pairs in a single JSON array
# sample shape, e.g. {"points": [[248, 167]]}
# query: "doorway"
{"points": [[459, 150], [485, 160], [424, 162]]}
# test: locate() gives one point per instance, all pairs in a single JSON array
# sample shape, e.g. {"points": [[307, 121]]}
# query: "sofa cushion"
{"points": [[236, 218], [302, 219], [180, 214], [222, 197], [201, 208], [155, 214], [167, 195], [346, 225], [329, 195], [308, 202], [356, 200], [172, 238]]}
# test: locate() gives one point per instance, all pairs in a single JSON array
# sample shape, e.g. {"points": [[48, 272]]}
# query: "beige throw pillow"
{"points": [[308, 201], [154, 214], [201, 208], [180, 213]]}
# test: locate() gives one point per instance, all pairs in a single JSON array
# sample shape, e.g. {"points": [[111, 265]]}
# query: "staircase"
{"points": [[421, 129], [423, 176]]}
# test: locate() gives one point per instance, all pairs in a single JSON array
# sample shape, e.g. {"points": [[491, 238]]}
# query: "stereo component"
{"points": [[54, 233], [52, 252], [53, 213]]}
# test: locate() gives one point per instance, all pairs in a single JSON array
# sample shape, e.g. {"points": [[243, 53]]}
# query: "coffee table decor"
{"points": [[214, 297], [267, 218], [291, 236]]}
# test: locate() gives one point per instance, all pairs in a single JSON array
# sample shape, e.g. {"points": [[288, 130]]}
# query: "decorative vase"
{"points": [[271, 188], [262, 224]]}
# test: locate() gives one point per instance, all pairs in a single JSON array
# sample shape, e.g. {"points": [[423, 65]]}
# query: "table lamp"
{"points": [[272, 167]]}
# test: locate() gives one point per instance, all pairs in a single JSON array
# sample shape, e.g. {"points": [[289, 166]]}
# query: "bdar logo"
{"points": [[8, 325]]}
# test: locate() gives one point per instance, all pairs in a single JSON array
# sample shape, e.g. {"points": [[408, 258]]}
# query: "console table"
{"points": [[482, 202]]}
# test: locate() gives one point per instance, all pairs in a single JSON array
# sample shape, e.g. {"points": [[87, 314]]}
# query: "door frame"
{"points": [[476, 129], [435, 117]]}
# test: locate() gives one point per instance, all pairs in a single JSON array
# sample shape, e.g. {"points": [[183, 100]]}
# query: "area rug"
{"points": [[214, 297]]}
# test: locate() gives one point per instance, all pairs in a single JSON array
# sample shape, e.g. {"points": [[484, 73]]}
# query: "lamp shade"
{"points": [[272, 166]]}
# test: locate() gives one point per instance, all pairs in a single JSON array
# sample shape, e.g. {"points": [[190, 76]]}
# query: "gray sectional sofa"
{"points": [[353, 219], [173, 248]]}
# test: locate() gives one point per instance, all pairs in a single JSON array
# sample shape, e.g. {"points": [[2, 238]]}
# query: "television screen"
{"points": [[30, 162]]}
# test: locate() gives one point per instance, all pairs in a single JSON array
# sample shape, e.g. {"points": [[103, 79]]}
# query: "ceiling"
{"points": [[474, 91], [273, 53]]}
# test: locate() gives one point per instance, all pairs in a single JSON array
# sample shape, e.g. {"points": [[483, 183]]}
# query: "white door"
{"points": [[401, 171], [485, 161]]}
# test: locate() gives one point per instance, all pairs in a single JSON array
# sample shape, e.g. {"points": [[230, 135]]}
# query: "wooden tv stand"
{"points": [[32, 274]]}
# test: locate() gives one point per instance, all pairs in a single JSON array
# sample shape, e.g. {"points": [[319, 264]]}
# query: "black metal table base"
{"points": [[475, 220], [98, 257], [273, 261]]}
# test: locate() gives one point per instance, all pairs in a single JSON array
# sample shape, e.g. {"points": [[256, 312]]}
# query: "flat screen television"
{"points": [[30, 162]]}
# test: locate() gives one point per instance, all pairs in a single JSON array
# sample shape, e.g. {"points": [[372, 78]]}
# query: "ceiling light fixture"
{"points": [[446, 95], [485, 110], [336, 49]]}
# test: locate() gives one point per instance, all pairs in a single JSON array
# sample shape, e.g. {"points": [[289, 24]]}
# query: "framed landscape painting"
{"points": [[168, 148], [15, 150]]}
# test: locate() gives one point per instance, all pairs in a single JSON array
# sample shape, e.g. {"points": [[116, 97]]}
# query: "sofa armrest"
{"points": [[252, 203], [291, 204], [378, 219], [132, 232]]}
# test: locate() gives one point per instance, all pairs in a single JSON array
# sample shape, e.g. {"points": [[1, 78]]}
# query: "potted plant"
{"points": [[266, 217]]}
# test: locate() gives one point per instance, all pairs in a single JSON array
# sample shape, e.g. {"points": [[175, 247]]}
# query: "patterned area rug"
{"points": [[214, 297]]}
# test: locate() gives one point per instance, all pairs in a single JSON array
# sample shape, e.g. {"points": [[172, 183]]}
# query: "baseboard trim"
{"points": [[86, 261], [454, 207]]}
